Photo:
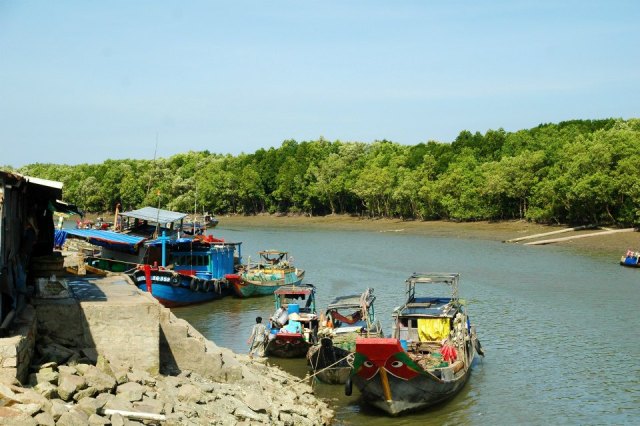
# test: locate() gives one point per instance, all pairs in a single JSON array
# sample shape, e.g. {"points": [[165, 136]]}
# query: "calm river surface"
{"points": [[560, 330]]}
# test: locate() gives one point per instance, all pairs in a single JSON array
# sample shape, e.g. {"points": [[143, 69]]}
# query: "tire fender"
{"points": [[194, 284], [348, 387]]}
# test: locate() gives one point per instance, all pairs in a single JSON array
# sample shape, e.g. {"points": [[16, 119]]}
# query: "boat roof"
{"points": [[432, 278], [191, 242], [429, 307], [305, 289], [152, 214], [107, 239], [450, 278], [351, 301], [272, 252]]}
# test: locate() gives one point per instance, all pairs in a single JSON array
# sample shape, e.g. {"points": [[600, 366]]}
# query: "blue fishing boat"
{"points": [[152, 249], [198, 272], [293, 303], [631, 258]]}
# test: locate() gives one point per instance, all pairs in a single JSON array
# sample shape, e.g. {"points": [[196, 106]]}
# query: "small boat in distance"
{"points": [[345, 319], [273, 270], [428, 358], [196, 225], [631, 258], [293, 303]]}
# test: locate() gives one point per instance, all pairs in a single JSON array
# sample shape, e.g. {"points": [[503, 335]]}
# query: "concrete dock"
{"points": [[98, 350]]}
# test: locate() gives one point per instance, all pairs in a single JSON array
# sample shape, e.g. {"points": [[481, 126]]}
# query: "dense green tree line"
{"points": [[583, 171]]}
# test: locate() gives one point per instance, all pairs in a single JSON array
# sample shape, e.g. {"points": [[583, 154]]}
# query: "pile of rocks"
{"points": [[87, 394]]}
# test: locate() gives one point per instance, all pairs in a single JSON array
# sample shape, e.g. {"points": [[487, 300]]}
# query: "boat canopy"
{"points": [[433, 278], [152, 214], [304, 289], [109, 239], [273, 256], [272, 252], [443, 278], [352, 301], [345, 302]]}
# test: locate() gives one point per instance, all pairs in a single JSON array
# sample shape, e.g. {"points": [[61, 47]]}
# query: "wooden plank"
{"points": [[574, 237]]}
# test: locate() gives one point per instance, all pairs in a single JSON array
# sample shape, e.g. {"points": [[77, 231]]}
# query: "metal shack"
{"points": [[26, 232]]}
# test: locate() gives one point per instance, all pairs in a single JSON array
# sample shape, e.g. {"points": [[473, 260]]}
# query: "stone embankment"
{"points": [[81, 393], [102, 352]]}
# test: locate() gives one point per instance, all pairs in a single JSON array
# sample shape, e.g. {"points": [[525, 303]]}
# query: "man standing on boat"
{"points": [[257, 339]]}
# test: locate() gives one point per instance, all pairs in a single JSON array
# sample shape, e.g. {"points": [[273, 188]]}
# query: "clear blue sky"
{"points": [[84, 81]]}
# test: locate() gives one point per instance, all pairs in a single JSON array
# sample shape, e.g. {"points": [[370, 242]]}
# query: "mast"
{"points": [[155, 151]]}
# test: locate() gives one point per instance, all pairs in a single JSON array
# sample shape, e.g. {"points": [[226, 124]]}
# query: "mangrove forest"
{"points": [[572, 172]]}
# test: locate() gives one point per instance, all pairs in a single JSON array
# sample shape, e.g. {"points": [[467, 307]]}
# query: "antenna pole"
{"points": [[155, 151]]}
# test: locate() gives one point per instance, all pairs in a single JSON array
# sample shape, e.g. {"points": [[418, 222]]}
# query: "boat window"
{"points": [[408, 322]]}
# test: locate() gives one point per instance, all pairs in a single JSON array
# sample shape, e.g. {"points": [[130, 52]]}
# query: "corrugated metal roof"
{"points": [[155, 215], [44, 182]]}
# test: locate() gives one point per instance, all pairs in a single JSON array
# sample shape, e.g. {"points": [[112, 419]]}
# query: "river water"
{"points": [[560, 329]]}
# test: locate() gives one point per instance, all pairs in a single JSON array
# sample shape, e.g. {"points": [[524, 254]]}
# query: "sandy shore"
{"points": [[611, 245]]}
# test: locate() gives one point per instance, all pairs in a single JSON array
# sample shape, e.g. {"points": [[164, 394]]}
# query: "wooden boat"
{"points": [[293, 301], [274, 270], [631, 258], [178, 271], [196, 225], [345, 319], [428, 358]]}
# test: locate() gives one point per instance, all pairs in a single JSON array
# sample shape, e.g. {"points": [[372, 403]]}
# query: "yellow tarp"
{"points": [[430, 329]]}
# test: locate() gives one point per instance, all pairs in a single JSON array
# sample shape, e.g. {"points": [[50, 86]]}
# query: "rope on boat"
{"points": [[350, 355]]}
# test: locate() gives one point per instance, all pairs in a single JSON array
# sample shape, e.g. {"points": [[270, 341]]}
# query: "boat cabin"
{"points": [[351, 313], [427, 319], [274, 257], [150, 222], [297, 298], [206, 260]]}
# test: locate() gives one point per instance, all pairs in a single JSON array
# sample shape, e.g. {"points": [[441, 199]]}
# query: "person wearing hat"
{"points": [[294, 325]]}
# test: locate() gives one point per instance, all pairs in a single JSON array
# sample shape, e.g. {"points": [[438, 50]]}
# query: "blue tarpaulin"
{"points": [[107, 239], [59, 237]]}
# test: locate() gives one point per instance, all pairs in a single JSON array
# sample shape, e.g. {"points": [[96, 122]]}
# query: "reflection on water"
{"points": [[559, 329]]}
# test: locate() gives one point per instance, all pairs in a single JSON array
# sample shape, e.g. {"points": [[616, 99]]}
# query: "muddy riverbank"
{"points": [[612, 244]]}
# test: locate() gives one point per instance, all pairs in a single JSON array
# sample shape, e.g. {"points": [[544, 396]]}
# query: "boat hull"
{"points": [[390, 380], [630, 261], [253, 288], [408, 395], [287, 345], [330, 364], [175, 290]]}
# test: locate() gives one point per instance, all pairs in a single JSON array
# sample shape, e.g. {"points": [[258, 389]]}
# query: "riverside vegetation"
{"points": [[577, 172]]}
